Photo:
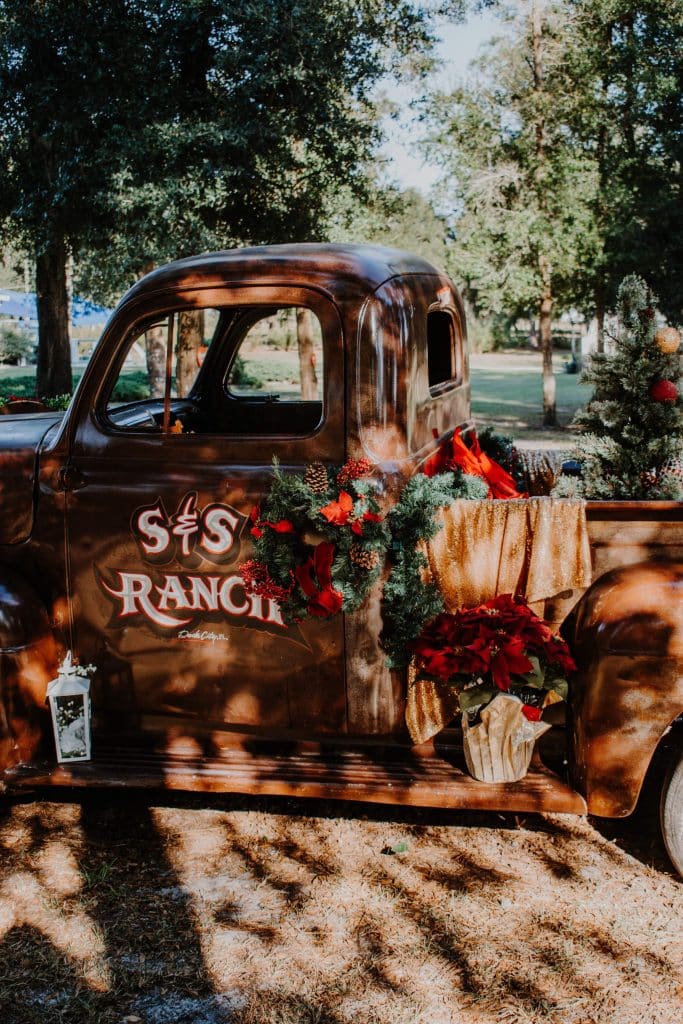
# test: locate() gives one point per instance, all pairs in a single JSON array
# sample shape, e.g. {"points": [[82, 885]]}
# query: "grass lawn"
{"points": [[507, 394]]}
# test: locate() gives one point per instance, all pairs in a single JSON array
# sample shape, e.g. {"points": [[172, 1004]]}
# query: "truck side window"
{"points": [[136, 399], [279, 357], [274, 381], [443, 357]]}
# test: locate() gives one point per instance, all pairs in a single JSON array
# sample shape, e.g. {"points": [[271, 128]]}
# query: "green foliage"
{"points": [[502, 450], [629, 437], [14, 345], [240, 376], [131, 387], [133, 132], [57, 403], [284, 552], [255, 116], [519, 188], [603, 108], [21, 387], [623, 82], [408, 601], [391, 217]]}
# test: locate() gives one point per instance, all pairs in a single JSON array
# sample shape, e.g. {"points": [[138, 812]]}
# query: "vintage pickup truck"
{"points": [[125, 520]]}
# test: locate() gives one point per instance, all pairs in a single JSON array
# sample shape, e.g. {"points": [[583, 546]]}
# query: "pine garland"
{"points": [[318, 545], [408, 602]]}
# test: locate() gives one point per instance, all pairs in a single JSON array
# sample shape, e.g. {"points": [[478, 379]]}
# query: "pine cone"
{"points": [[315, 478], [367, 560]]}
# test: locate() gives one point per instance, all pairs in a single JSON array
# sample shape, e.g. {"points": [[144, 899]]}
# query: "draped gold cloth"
{"points": [[538, 548]]}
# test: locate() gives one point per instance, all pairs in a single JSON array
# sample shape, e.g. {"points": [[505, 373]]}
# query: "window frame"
{"points": [[456, 378], [241, 336], [92, 432]]}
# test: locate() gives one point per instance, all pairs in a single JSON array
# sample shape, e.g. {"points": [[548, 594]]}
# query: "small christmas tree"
{"points": [[633, 437]]}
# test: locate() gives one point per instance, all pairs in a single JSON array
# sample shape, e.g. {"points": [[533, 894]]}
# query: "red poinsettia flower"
{"points": [[315, 579], [281, 526], [508, 658], [338, 512], [496, 639]]}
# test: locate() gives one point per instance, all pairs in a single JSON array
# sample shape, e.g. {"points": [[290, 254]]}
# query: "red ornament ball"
{"points": [[664, 391]]}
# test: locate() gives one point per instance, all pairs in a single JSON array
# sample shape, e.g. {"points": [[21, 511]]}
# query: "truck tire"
{"points": [[671, 814]]}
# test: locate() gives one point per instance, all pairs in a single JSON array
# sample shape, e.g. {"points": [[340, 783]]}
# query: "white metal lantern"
{"points": [[69, 697]]}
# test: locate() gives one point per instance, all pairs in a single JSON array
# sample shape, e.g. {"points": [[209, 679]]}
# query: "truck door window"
{"points": [[137, 398], [263, 374], [274, 381], [280, 357]]}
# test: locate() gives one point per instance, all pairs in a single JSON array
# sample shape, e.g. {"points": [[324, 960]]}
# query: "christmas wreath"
{"points": [[501, 645], [320, 541]]}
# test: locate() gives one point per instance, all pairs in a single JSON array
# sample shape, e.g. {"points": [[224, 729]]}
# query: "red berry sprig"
{"points": [[353, 469]]}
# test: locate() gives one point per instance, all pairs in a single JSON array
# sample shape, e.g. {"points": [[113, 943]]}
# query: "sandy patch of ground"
{"points": [[195, 910]]}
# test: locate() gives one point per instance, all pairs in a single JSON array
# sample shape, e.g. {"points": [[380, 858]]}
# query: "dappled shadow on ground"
{"points": [[86, 932], [198, 909]]}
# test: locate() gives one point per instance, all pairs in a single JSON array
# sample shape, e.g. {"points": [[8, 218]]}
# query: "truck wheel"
{"points": [[671, 814]]}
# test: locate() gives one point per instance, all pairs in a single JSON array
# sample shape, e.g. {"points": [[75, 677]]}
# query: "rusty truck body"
{"points": [[201, 686]]}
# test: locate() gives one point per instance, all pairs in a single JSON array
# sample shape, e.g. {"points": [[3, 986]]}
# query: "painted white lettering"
{"points": [[134, 597], [204, 592], [219, 530], [274, 614], [225, 597], [265, 609], [186, 524], [172, 590], [150, 523]]}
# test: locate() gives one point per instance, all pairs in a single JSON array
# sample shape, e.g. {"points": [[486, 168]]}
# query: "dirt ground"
{"points": [[179, 909]]}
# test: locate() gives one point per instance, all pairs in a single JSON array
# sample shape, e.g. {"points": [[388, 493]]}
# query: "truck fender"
{"points": [[628, 644], [28, 659]]}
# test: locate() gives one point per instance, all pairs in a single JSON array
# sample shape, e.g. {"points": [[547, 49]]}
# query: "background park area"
{"points": [[505, 394]]}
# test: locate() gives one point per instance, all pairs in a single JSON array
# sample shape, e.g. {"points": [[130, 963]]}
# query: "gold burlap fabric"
{"points": [[538, 548]]}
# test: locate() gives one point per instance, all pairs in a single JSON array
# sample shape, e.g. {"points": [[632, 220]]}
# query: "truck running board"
{"points": [[385, 775]]}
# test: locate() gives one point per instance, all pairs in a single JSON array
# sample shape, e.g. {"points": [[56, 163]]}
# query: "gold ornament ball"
{"points": [[668, 340]]}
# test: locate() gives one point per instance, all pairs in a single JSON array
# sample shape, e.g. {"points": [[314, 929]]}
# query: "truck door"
{"points": [[160, 490]]}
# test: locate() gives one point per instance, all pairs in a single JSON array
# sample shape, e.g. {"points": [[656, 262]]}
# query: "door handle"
{"points": [[70, 478]]}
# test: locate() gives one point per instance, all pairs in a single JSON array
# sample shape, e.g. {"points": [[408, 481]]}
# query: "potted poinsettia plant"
{"points": [[499, 651]]}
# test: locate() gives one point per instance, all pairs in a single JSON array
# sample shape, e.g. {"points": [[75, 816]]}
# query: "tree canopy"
{"points": [[133, 131]]}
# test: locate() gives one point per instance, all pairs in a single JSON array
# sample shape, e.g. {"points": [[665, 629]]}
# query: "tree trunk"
{"points": [[533, 333], [544, 266], [600, 317], [53, 374], [305, 340], [155, 354], [545, 330], [190, 338]]}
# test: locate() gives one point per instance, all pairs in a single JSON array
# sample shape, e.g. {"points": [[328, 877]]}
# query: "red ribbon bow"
{"points": [[315, 579], [474, 462]]}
